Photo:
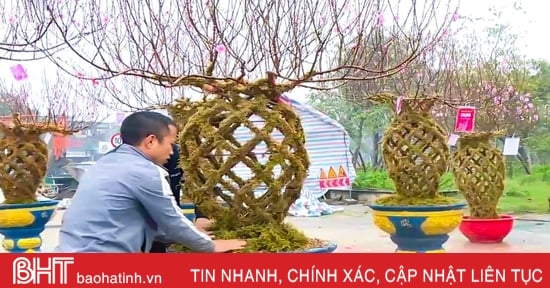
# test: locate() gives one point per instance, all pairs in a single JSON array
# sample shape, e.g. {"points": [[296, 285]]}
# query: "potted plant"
{"points": [[209, 152], [480, 173], [416, 155], [24, 158], [22, 217]]}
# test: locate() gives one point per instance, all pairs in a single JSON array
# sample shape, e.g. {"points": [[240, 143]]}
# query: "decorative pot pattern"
{"points": [[188, 209], [418, 229], [21, 225]]}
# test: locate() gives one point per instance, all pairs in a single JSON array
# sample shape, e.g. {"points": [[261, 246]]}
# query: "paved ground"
{"points": [[353, 231]]}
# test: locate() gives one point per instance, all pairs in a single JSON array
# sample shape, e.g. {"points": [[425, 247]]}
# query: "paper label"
{"points": [[511, 146], [453, 138], [398, 104]]}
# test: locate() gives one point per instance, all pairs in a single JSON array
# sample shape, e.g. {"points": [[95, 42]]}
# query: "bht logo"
{"points": [[30, 270]]}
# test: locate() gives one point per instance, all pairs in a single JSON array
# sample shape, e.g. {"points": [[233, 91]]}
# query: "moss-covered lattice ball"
{"points": [[210, 152]]}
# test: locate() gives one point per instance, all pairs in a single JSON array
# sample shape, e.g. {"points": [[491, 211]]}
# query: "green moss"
{"points": [[398, 200], [267, 238], [208, 131], [379, 179], [263, 238], [415, 152], [19, 201]]}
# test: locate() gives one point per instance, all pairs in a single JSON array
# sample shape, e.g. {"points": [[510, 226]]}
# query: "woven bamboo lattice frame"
{"points": [[415, 150], [480, 173], [210, 151], [24, 159]]}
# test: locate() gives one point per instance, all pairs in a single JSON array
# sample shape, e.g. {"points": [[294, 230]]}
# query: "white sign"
{"points": [[104, 147], [116, 140], [452, 139], [511, 146], [398, 104], [47, 137], [30, 270]]}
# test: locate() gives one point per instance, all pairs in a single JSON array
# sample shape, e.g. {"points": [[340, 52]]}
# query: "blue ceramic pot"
{"points": [[327, 249], [418, 229], [188, 209], [21, 225]]}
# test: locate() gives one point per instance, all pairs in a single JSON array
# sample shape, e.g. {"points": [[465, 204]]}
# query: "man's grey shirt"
{"points": [[123, 203]]}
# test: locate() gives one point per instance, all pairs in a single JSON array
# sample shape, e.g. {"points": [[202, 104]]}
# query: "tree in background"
{"points": [[26, 34], [421, 77], [229, 41], [467, 69], [360, 124], [493, 77], [538, 139]]}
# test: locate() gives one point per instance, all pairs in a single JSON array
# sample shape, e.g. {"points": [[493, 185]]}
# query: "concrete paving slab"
{"points": [[354, 232]]}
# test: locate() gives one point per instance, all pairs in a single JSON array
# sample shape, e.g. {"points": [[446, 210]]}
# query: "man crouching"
{"points": [[124, 201]]}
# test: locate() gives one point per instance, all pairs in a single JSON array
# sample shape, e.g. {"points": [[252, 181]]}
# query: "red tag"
{"points": [[465, 119]]}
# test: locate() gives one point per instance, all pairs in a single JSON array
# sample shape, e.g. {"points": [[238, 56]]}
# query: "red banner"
{"points": [[275, 270]]}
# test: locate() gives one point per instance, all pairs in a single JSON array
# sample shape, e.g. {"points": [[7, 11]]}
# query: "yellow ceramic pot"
{"points": [[21, 225], [418, 229]]}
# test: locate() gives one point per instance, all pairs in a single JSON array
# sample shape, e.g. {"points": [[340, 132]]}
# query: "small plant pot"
{"points": [[21, 225], [418, 229], [487, 230], [188, 209]]}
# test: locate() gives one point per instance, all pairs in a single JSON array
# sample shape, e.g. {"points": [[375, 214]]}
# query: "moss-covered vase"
{"points": [[416, 155], [480, 172]]}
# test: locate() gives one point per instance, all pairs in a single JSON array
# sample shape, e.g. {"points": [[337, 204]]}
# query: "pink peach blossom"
{"points": [[220, 48], [380, 19], [455, 16]]}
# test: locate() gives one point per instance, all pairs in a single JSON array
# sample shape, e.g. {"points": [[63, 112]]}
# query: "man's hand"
{"points": [[203, 224], [222, 246]]}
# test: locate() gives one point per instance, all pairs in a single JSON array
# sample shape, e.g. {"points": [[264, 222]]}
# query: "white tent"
{"points": [[328, 146]]}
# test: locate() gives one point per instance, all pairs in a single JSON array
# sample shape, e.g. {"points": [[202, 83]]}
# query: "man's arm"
{"points": [[156, 196]]}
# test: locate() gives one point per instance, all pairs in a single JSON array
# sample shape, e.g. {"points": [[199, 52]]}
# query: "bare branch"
{"points": [[28, 32], [233, 42], [66, 103]]}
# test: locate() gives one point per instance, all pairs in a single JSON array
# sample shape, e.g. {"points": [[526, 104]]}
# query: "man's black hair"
{"points": [[139, 125]]}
